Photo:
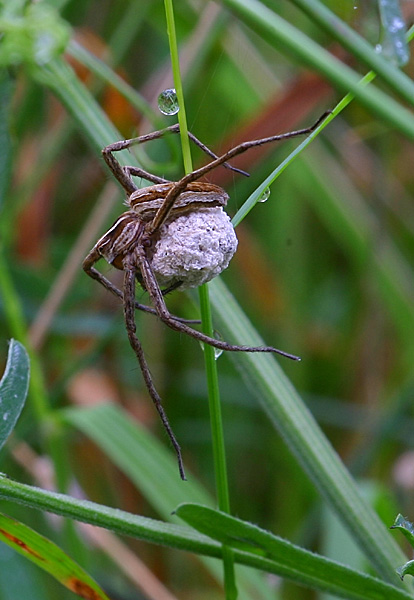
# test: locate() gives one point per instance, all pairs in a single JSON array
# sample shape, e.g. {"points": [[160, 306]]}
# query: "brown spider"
{"points": [[133, 243]]}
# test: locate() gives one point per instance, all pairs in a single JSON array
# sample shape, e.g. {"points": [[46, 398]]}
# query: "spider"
{"points": [[174, 235]]}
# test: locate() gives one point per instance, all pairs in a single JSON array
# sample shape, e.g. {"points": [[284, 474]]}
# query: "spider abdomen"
{"points": [[146, 201]]}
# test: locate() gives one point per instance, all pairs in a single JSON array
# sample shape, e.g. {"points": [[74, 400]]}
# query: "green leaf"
{"points": [[292, 561], [406, 528], [13, 389], [282, 35], [296, 425], [49, 557], [407, 569], [309, 569], [394, 45], [360, 48], [152, 467]]}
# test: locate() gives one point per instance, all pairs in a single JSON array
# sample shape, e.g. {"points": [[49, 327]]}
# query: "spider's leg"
{"points": [[246, 146], [123, 174], [88, 267], [138, 172], [181, 185], [207, 150], [129, 313], [157, 298]]}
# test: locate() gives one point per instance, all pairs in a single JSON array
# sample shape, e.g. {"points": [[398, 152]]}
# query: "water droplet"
{"points": [[5, 416], [396, 25], [217, 351], [378, 48], [265, 195], [168, 102]]}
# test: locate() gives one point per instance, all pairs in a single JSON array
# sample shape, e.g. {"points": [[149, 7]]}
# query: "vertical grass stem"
{"points": [[205, 309]]}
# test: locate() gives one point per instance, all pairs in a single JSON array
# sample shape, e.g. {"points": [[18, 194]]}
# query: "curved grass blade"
{"points": [[394, 45], [293, 562], [291, 418], [49, 557], [13, 389]]}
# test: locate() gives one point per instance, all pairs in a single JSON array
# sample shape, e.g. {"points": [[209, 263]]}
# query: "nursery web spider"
{"points": [[142, 243]]}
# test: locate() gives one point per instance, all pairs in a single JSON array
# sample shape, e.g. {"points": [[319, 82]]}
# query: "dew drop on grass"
{"points": [[265, 195], [168, 102], [217, 351]]}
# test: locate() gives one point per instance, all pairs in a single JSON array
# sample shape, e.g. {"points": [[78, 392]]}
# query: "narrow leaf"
{"points": [[406, 528], [394, 45], [49, 557], [180, 537], [292, 562], [302, 434], [13, 389]]}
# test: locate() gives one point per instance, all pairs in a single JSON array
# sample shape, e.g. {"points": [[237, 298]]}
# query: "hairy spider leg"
{"points": [[123, 174], [129, 313], [160, 308], [88, 267], [151, 285], [179, 186]]}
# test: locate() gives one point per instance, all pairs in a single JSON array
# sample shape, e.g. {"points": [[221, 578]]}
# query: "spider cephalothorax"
{"points": [[174, 235]]}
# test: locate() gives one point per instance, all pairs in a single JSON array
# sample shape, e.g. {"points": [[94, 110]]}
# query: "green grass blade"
{"points": [[152, 468], [219, 453], [297, 426], [394, 44], [119, 521], [359, 47], [148, 464], [150, 530], [282, 34], [105, 73], [295, 563], [13, 389], [354, 224], [49, 557]]}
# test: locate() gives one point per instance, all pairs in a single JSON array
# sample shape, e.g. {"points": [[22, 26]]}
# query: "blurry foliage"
{"points": [[324, 267]]}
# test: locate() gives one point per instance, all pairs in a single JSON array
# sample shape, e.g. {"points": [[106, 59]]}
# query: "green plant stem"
{"points": [[175, 64], [207, 326], [255, 196], [217, 436], [338, 579]]}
